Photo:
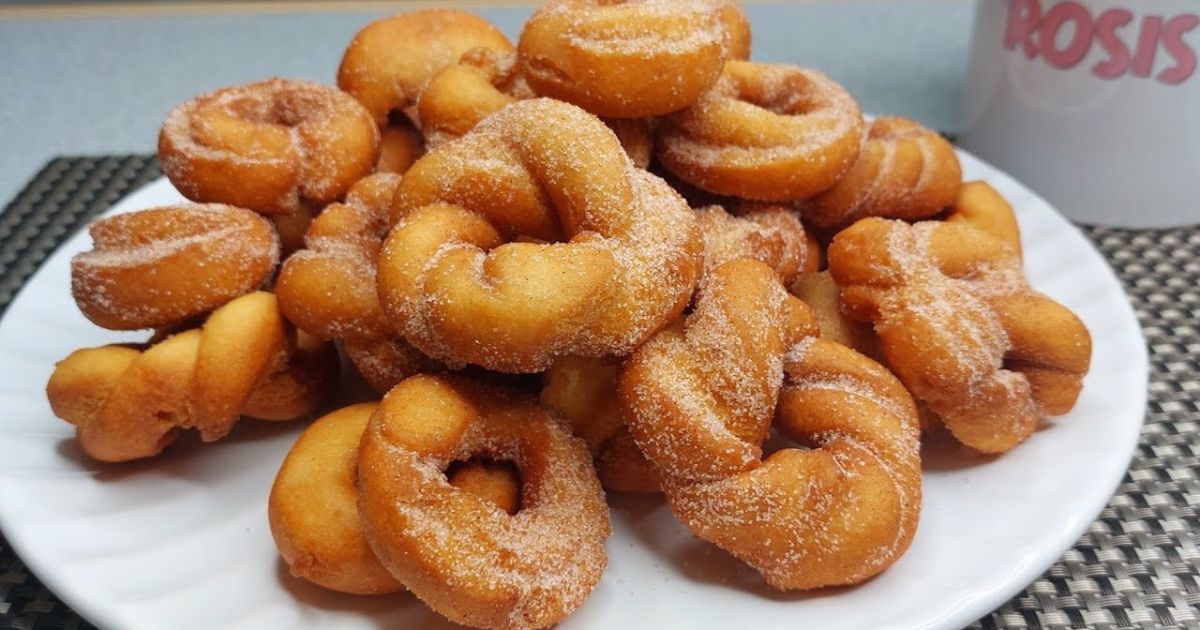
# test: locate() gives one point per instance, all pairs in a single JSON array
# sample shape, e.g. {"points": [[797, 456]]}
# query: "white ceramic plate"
{"points": [[182, 541]]}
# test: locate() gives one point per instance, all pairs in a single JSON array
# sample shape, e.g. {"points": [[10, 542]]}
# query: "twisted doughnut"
{"points": [[390, 61], [162, 266], [451, 284], [770, 234], [584, 391], [273, 146], [626, 60], [764, 132], [961, 327], [328, 288], [313, 509], [737, 29], [699, 398], [128, 403], [981, 206], [462, 556], [904, 171]]}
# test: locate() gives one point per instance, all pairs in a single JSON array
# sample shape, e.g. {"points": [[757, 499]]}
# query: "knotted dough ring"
{"points": [[699, 398], [162, 266], [623, 259], [905, 171], [764, 132], [313, 507], [772, 235], [461, 555], [273, 146], [389, 62], [328, 288], [623, 60], [128, 403], [961, 327]]}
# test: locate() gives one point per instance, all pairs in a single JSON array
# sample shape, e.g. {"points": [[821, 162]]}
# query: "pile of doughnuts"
{"points": [[618, 256]]}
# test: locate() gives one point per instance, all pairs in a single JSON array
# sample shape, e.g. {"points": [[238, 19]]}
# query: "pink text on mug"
{"points": [[1130, 48]]}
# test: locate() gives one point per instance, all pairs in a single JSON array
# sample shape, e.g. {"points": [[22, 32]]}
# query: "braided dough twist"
{"points": [[699, 398], [128, 403], [961, 327]]}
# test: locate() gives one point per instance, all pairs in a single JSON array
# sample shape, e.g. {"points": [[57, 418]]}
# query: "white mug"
{"points": [[1094, 104]]}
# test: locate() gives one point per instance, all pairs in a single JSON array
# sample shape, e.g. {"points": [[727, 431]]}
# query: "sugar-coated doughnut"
{"points": [[163, 266], [463, 556], [328, 288], [271, 146], [961, 327], [981, 206], [904, 171], [623, 60], [129, 403], [390, 61], [772, 235], [822, 295], [584, 391], [313, 505], [737, 29], [400, 144], [623, 257], [699, 398], [764, 132]]}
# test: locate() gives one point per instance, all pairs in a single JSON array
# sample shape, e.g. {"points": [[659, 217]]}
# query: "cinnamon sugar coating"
{"points": [[463, 556], [904, 171], [272, 146], [764, 132]]}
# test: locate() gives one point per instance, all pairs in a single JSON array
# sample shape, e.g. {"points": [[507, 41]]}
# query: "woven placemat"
{"points": [[1138, 565]]}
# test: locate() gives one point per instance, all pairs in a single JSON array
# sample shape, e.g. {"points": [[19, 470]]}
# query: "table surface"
{"points": [[102, 85]]}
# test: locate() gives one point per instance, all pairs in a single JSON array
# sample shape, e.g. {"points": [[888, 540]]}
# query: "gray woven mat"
{"points": [[1138, 565]]}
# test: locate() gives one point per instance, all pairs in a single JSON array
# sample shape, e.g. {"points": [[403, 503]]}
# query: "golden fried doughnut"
{"points": [[400, 144], [162, 266], [737, 29], [764, 132], [961, 327], [454, 283], [822, 295], [390, 61], [484, 82], [772, 235], [461, 555], [313, 506], [291, 228], [623, 60], [981, 206], [328, 288], [480, 84], [272, 146], [128, 403], [699, 398], [585, 392], [904, 171]]}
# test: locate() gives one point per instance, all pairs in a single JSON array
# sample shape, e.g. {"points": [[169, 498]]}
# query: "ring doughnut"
{"points": [[163, 266], [904, 171], [461, 555], [961, 327], [764, 132], [455, 289], [328, 288], [630, 59], [389, 63], [128, 403], [699, 398], [584, 391], [313, 509], [273, 146]]}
